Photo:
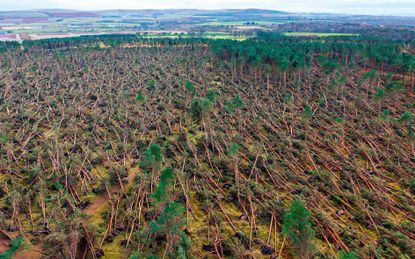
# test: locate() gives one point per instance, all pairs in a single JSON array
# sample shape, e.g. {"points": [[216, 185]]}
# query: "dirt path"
{"points": [[4, 245], [100, 201], [96, 204], [33, 252]]}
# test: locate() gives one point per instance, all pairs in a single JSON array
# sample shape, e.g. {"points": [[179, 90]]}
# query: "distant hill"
{"points": [[50, 13], [51, 23], [256, 11], [63, 13], [241, 12]]}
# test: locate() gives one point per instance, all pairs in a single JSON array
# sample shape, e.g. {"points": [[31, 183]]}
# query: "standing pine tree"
{"points": [[152, 158], [380, 96], [151, 161], [200, 107], [170, 220], [297, 228], [190, 87], [161, 196]]}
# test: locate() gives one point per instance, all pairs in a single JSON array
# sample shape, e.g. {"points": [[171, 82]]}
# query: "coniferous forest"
{"points": [[272, 147]]}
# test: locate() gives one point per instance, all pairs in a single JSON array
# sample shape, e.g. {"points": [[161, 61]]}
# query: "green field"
{"points": [[208, 35], [317, 34], [239, 23]]}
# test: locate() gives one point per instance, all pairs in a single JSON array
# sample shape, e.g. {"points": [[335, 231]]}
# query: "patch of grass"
{"points": [[114, 249], [229, 23], [208, 35], [318, 34]]}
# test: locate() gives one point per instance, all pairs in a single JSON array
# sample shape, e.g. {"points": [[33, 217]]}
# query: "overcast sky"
{"points": [[378, 7]]}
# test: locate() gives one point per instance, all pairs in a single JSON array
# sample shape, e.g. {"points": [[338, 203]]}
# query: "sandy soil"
{"points": [[33, 253], [96, 203], [4, 245]]}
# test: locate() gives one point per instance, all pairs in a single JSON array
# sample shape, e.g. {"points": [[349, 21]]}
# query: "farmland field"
{"points": [[242, 22], [207, 35], [318, 34]]}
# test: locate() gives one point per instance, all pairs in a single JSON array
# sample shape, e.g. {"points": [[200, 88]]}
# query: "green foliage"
{"points": [[166, 178], [370, 74], [3, 139], [235, 103], [307, 113], [257, 62], [184, 247], [321, 102], [151, 85], [329, 65], [211, 95], [411, 185], [189, 86], [287, 97], [181, 254], [185, 242], [380, 94], [402, 242], [140, 97], [228, 106], [297, 228], [385, 114], [136, 255], [391, 86], [233, 149], [347, 255], [15, 244], [342, 79], [58, 185], [406, 117], [200, 106], [170, 221], [267, 69], [283, 63], [152, 157], [411, 131], [339, 120]]}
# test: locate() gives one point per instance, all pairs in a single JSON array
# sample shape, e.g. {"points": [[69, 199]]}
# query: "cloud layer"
{"points": [[378, 7]]}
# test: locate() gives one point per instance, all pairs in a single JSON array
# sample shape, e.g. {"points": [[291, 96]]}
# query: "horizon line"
{"points": [[205, 9]]}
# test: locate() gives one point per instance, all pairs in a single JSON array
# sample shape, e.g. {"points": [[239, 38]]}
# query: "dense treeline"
{"points": [[79, 41], [379, 31], [8, 46], [299, 53], [110, 40]]}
